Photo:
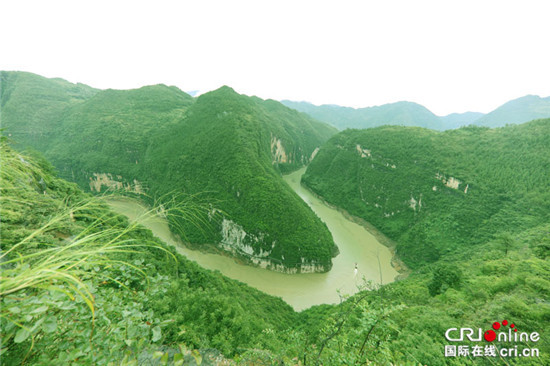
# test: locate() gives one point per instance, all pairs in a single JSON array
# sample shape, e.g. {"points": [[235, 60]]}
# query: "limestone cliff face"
{"points": [[278, 153], [238, 242], [114, 183], [450, 182], [281, 154], [314, 153]]}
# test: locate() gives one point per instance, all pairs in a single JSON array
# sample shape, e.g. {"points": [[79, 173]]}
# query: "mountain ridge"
{"points": [[406, 113], [519, 110], [150, 141], [469, 208], [448, 179]]}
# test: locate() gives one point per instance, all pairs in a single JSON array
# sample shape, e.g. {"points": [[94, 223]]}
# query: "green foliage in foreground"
{"points": [[410, 324], [81, 285], [151, 308], [401, 181]]}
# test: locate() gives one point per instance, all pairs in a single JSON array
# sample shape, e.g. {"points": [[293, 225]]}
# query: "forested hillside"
{"points": [[32, 104], [80, 284], [438, 192], [229, 148], [468, 209], [162, 145]]}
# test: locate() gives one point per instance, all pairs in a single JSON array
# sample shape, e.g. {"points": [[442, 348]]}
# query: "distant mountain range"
{"points": [[516, 111]]}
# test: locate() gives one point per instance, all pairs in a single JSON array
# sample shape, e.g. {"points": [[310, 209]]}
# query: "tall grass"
{"points": [[95, 242], [61, 267]]}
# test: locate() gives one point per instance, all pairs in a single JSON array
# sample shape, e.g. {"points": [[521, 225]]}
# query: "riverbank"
{"points": [[397, 263], [358, 248]]}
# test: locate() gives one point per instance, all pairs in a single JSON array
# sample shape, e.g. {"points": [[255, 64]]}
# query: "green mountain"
{"points": [[159, 143], [31, 103], [519, 110], [438, 192], [80, 285], [470, 212], [74, 270], [400, 113]]}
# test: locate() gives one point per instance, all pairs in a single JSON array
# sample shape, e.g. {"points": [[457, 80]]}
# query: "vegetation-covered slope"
{"points": [[404, 323], [31, 105], [65, 253], [151, 306], [228, 148], [111, 133], [436, 192], [157, 142]]}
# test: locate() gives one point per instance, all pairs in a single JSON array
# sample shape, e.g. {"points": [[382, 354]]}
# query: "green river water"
{"points": [[356, 245]]}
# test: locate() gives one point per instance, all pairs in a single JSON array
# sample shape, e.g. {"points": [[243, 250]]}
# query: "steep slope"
{"points": [[182, 312], [230, 147], [111, 132], [146, 297], [158, 143], [519, 110], [31, 105], [436, 192], [400, 113]]}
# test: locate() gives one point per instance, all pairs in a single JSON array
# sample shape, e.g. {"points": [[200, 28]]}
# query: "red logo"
{"points": [[490, 335]]}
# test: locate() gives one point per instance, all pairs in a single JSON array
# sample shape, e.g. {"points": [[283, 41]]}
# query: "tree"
{"points": [[505, 242], [445, 276]]}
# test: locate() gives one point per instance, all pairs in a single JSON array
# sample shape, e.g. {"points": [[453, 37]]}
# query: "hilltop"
{"points": [[467, 208], [162, 145]]}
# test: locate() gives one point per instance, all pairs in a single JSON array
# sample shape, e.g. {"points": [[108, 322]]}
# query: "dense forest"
{"points": [[73, 270], [81, 284], [160, 144], [438, 192], [468, 209]]}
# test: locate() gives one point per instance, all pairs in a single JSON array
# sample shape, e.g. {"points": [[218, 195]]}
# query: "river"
{"points": [[356, 244]]}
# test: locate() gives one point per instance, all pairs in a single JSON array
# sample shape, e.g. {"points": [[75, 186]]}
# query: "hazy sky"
{"points": [[450, 56]]}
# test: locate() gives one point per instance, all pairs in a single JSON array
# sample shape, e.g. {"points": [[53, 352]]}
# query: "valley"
{"points": [[356, 247], [257, 252], [223, 151]]}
